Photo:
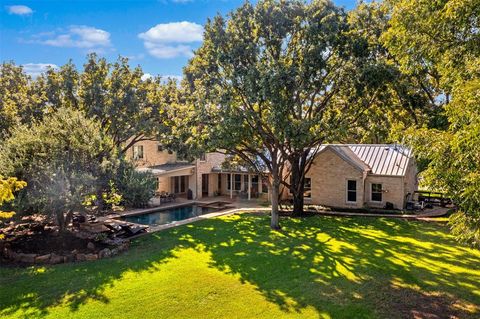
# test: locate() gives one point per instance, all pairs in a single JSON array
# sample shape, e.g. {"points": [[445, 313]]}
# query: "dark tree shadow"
{"points": [[345, 267]]}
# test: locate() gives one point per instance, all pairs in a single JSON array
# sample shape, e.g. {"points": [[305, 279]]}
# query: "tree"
{"points": [[136, 188], [62, 158], [274, 81], [8, 187], [441, 39], [128, 109]]}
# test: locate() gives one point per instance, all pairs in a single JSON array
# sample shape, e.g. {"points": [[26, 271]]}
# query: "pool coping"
{"points": [[153, 229], [162, 208]]}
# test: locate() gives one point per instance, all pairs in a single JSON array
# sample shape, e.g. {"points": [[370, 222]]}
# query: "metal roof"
{"points": [[381, 159], [166, 168]]}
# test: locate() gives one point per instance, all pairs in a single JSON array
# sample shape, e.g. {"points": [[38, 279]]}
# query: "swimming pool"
{"points": [[170, 215]]}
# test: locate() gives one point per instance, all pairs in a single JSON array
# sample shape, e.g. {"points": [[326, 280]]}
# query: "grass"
{"points": [[236, 267]]}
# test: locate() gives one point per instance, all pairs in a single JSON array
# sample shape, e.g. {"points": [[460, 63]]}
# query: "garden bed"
{"points": [[27, 244]]}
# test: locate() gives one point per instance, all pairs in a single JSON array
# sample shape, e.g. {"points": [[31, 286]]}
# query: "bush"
{"points": [[136, 188]]}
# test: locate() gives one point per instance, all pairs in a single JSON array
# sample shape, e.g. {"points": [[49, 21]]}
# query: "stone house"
{"points": [[361, 175], [203, 176], [344, 176]]}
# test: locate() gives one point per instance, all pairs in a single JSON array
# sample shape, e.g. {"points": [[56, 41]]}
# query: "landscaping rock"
{"points": [[26, 258], [56, 259], [80, 257], [68, 258], [105, 253], [91, 245], [43, 259], [91, 257]]}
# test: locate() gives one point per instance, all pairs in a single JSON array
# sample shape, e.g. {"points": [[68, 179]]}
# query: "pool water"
{"points": [[168, 216]]}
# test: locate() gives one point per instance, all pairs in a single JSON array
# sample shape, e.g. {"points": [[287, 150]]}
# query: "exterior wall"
{"points": [[329, 174], [392, 187], [411, 180], [164, 184], [151, 155], [205, 167]]}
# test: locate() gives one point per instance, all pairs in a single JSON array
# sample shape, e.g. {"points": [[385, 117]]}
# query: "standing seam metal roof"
{"points": [[382, 159]]}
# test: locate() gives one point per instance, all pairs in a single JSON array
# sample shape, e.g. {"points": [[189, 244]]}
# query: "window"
{"points": [[264, 186], [159, 148], [245, 183], [179, 184], [255, 183], [376, 192], [307, 187], [203, 157], [157, 183], [237, 181], [219, 185], [351, 191], [137, 152]]}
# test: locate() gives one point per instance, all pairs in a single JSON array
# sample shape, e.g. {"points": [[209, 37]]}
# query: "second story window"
{"points": [[137, 152], [159, 148], [203, 157]]}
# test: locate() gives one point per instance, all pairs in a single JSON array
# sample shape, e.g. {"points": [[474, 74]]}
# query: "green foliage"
{"points": [[273, 81], [136, 188], [63, 159], [8, 187], [440, 39]]}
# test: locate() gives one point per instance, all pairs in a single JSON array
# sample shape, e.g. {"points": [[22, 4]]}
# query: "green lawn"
{"points": [[236, 267]]}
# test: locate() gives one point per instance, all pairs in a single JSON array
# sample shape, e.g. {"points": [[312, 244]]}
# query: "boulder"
{"points": [[43, 259], [56, 259], [105, 253], [80, 257], [26, 258], [91, 245], [91, 257]]}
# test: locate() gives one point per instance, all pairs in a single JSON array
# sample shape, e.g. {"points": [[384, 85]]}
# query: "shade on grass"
{"points": [[236, 267]]}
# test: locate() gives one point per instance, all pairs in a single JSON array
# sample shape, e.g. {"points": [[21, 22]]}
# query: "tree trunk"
{"points": [[61, 220], [274, 223], [297, 185]]}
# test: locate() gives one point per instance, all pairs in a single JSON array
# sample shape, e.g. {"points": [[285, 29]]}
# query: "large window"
{"points": [[179, 184], [351, 191], [237, 181], [376, 193], [137, 152]]}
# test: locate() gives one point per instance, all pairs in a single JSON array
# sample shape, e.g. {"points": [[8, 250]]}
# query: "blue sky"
{"points": [[158, 35]]}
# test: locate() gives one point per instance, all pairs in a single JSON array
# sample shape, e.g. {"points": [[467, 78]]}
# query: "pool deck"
{"points": [[241, 205], [229, 203]]}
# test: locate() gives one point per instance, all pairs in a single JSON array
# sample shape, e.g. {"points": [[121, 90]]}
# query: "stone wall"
{"points": [[329, 174]]}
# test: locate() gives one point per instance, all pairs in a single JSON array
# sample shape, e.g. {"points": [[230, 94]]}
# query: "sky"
{"points": [[158, 35]]}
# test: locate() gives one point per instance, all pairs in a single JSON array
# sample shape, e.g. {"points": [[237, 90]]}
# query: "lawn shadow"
{"points": [[344, 267], [34, 289]]}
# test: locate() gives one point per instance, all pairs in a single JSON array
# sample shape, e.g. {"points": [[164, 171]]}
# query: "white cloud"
{"points": [[169, 40], [35, 69], [19, 10], [146, 76], [84, 37], [164, 78]]}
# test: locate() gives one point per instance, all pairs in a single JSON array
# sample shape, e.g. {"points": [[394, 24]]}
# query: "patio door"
{"points": [[204, 184], [179, 184]]}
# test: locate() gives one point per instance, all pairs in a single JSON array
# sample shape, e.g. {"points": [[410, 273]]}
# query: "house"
{"points": [[204, 176], [361, 175], [344, 176]]}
